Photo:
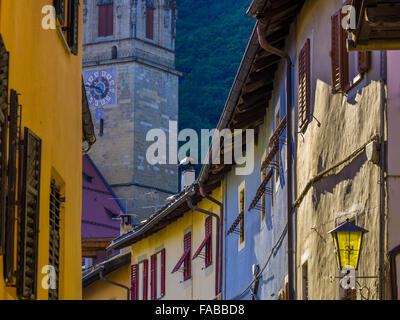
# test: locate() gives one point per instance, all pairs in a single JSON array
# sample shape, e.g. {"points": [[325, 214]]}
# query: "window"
{"points": [[304, 281], [304, 87], [67, 13], [185, 259], [114, 52], [348, 69], [106, 19], [54, 236], [139, 283], [241, 213], [150, 9], [277, 157], [29, 218], [207, 243], [157, 275], [101, 131]]}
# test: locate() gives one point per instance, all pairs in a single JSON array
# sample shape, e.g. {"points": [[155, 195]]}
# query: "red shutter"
{"points": [[208, 228], [163, 272], [134, 277], [187, 244], [364, 61], [153, 276], [339, 54], [150, 23], [304, 86], [145, 276]]}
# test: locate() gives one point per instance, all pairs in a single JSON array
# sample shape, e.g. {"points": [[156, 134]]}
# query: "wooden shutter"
{"points": [[4, 66], [150, 23], [153, 276], [145, 278], [364, 61], [54, 234], [187, 244], [73, 26], [134, 282], [339, 54], [59, 5], [163, 272], [304, 87], [29, 217], [12, 182], [208, 231]]}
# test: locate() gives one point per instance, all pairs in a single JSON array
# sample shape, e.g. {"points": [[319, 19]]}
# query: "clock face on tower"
{"points": [[100, 87]]}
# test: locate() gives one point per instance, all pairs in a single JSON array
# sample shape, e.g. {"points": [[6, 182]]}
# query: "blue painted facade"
{"points": [[260, 238]]}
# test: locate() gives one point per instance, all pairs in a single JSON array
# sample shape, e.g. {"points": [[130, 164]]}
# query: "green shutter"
{"points": [[29, 218], [12, 185], [73, 26], [59, 5], [4, 66]]}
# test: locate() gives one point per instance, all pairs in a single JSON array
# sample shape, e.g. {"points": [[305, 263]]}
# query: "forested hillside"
{"points": [[211, 38]]}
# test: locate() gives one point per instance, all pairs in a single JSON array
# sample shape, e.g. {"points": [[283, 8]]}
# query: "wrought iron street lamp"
{"points": [[348, 239]]}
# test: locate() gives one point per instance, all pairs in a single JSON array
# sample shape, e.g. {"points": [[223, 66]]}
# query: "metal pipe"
{"points": [[267, 47], [113, 282], [217, 253], [382, 161]]}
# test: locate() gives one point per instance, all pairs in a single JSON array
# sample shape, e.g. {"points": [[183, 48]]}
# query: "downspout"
{"points": [[218, 233], [114, 283], [382, 178], [267, 47]]}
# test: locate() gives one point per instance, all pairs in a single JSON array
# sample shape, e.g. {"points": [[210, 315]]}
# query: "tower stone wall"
{"points": [[132, 87]]}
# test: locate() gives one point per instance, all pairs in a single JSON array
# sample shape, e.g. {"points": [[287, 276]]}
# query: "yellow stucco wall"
{"points": [[48, 78], [101, 290], [202, 284]]}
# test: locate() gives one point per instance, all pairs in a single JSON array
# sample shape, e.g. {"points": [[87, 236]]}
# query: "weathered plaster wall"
{"points": [[344, 124], [393, 153]]}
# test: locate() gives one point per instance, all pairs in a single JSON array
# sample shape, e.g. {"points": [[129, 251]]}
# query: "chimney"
{"points": [[188, 175]]}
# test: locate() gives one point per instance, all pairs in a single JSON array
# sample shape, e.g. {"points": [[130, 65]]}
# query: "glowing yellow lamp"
{"points": [[348, 239]]}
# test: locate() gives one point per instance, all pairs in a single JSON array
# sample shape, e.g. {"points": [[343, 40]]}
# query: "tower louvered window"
{"points": [[54, 236], [4, 65], [304, 87], [106, 19], [29, 217], [150, 9]]}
